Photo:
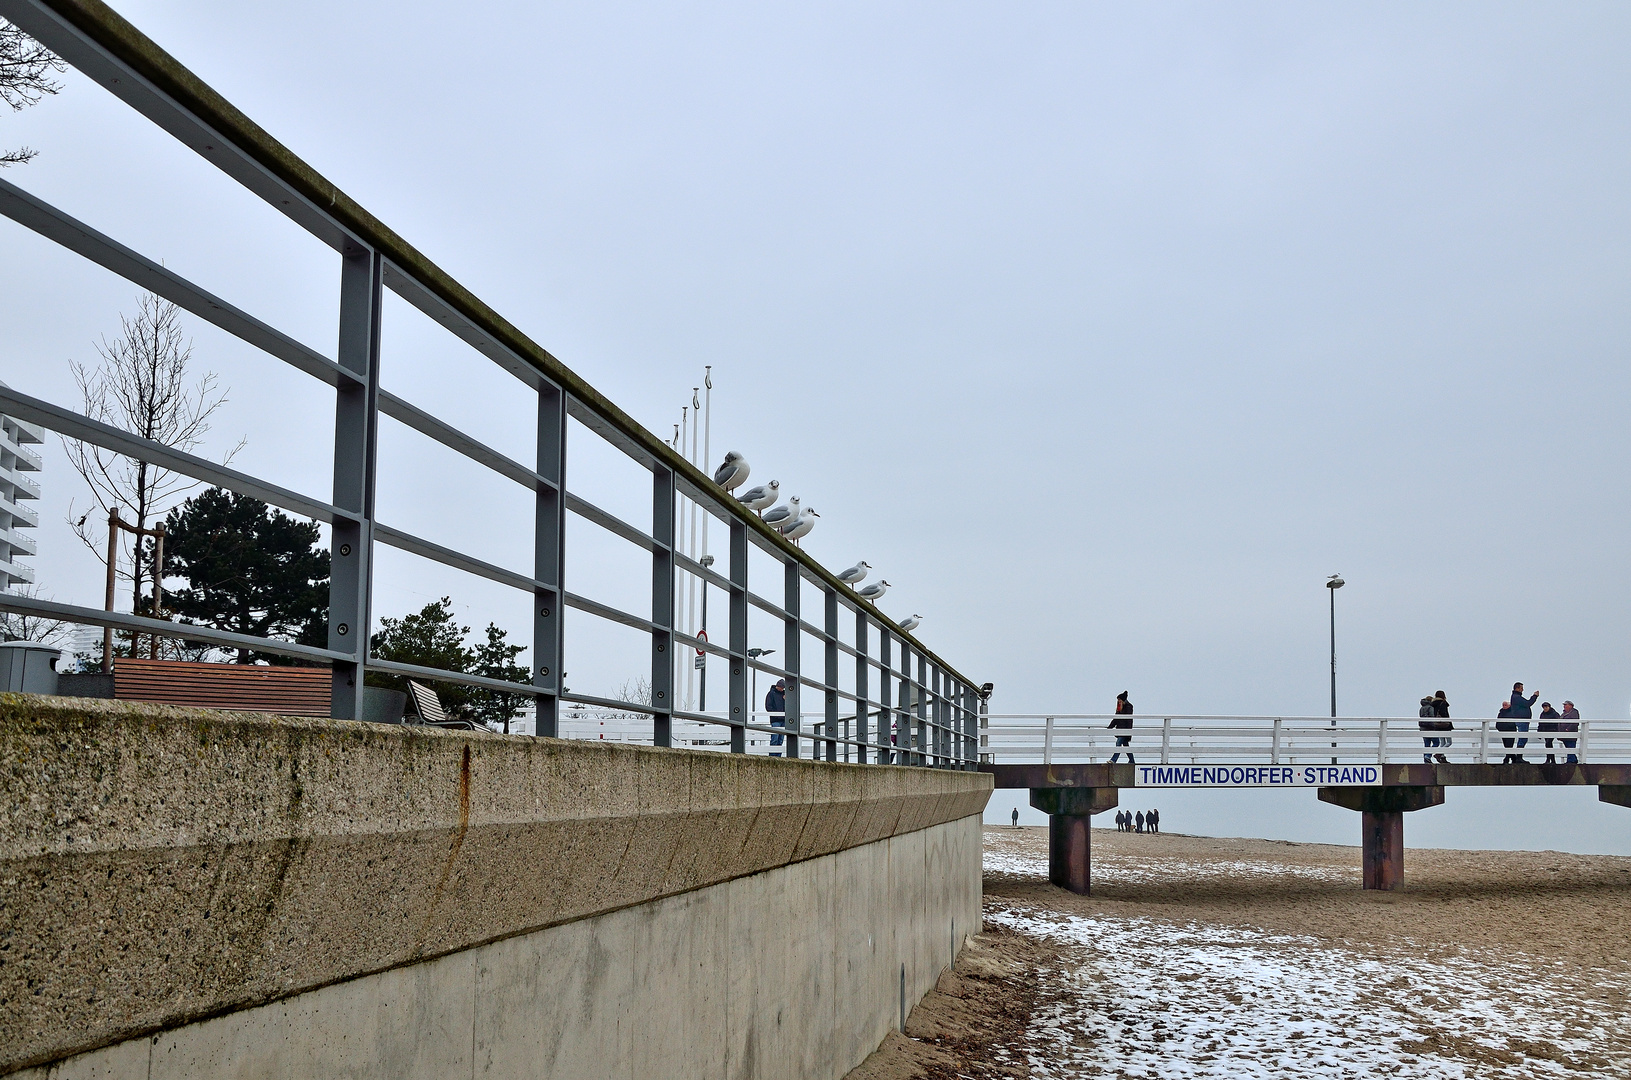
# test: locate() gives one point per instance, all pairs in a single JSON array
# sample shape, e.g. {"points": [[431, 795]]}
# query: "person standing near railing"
{"points": [[1123, 720], [1549, 722], [1436, 711], [1570, 722], [776, 706], [1522, 711]]}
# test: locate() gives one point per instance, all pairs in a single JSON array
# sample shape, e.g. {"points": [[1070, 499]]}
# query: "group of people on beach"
{"points": [[1515, 715], [1138, 821]]}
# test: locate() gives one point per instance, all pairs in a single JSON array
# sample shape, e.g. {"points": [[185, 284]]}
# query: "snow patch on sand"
{"points": [[1147, 999]]}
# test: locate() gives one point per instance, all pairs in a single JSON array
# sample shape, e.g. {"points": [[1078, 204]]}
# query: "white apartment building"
{"points": [[18, 488]]}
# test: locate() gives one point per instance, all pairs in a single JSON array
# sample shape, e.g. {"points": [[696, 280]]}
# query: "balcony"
{"points": [[22, 431], [15, 574], [27, 460], [21, 515], [26, 488], [19, 542]]}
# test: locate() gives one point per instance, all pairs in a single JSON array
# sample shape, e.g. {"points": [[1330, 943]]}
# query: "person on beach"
{"points": [[1153, 820], [1138, 820], [1570, 722], [1016, 817], [1118, 822], [1123, 720]]}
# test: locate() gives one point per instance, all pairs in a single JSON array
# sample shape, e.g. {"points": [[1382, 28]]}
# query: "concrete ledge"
{"points": [[162, 865]]}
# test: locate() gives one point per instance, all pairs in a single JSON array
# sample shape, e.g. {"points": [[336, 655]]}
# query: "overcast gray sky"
{"points": [[1104, 332]]}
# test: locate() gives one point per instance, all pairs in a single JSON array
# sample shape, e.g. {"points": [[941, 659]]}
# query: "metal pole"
{"points": [[113, 564], [662, 604], [691, 552], [356, 428], [702, 683], [792, 583], [861, 672], [830, 624], [158, 584], [741, 706], [549, 559], [1333, 593]]}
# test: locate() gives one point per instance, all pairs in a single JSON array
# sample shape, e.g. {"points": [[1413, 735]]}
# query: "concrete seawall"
{"points": [[191, 893]]}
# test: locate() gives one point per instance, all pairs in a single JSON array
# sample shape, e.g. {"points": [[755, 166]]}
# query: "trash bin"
{"points": [[28, 667]]}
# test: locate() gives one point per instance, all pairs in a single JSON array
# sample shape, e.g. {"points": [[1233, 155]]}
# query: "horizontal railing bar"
{"points": [[50, 609], [405, 541], [609, 703], [610, 522], [454, 439], [606, 611], [74, 426], [392, 667], [706, 573], [34, 213]]}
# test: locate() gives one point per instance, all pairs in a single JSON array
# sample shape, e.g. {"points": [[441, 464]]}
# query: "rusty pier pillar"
{"points": [[1070, 840], [1382, 811]]}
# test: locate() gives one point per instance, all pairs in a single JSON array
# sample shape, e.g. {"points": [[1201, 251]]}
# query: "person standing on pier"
{"points": [[1549, 718], [1571, 722], [1123, 721], [1522, 711], [776, 706]]}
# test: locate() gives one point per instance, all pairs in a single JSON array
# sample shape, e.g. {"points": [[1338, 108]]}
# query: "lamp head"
{"points": [[1335, 582]]}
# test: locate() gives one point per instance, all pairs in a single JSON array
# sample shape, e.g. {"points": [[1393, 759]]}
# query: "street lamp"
{"points": [[1334, 582]]}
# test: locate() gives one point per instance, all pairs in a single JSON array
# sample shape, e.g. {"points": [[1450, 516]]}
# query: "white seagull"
{"points": [[874, 590], [910, 624], [779, 517], [805, 522], [854, 574], [761, 497], [731, 474]]}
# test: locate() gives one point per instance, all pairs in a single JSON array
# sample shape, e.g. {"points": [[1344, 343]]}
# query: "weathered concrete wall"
{"points": [[792, 973], [160, 867]]}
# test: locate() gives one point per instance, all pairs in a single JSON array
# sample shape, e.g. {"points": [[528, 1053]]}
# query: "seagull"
{"points": [[805, 522], [874, 590], [778, 517], [731, 474], [854, 574], [910, 624], [761, 497]]}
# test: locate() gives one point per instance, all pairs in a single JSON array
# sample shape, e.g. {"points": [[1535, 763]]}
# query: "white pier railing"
{"points": [[1015, 738]]}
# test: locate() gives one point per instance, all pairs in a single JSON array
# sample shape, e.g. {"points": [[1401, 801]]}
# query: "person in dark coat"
{"points": [[1153, 820], [1548, 722], [1522, 712], [1123, 720], [1570, 722], [1138, 821], [1435, 713], [776, 706]]}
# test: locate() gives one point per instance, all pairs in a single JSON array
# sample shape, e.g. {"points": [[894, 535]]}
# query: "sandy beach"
{"points": [[1200, 957]]}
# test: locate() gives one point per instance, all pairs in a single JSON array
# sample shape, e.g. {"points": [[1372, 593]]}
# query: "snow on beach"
{"points": [[1169, 997]]}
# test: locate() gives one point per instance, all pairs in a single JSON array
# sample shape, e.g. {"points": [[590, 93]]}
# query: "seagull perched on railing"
{"points": [[910, 624], [779, 517], [854, 574], [733, 472], [761, 497], [874, 590], [805, 522]]}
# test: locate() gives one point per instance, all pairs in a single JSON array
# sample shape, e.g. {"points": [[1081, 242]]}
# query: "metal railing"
{"points": [[1015, 738], [934, 721]]}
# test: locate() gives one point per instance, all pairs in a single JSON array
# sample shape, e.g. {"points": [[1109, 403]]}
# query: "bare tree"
{"points": [[142, 387], [17, 627], [25, 78]]}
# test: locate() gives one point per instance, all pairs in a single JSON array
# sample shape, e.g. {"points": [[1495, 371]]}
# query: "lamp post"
{"points": [[1333, 583]]}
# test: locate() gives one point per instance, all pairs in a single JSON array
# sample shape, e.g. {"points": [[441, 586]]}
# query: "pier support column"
{"points": [[1382, 826], [1070, 840], [1618, 794]]}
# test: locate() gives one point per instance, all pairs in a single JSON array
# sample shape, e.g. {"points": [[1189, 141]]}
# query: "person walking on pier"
{"points": [[1435, 711], [1570, 722], [776, 706], [1123, 721]]}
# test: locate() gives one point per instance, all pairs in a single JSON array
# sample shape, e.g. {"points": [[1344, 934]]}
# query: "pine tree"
{"points": [[432, 637]]}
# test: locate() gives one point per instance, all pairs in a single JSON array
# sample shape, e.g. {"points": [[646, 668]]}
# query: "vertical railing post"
{"points": [[937, 719], [1047, 742], [830, 624], [356, 430], [792, 586], [862, 680], [662, 604], [886, 696], [549, 560], [1166, 740], [921, 685], [905, 725], [741, 707], [1585, 736], [1274, 750], [1381, 742], [1483, 743]]}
